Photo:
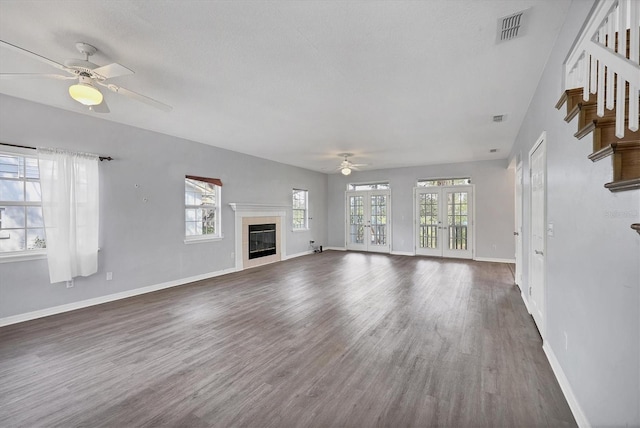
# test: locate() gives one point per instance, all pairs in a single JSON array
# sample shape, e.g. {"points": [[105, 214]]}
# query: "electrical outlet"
{"points": [[70, 283], [109, 276], [233, 254], [566, 341]]}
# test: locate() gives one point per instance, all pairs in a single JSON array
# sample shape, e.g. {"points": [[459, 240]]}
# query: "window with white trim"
{"points": [[444, 182], [202, 208], [300, 209], [21, 222], [368, 186]]}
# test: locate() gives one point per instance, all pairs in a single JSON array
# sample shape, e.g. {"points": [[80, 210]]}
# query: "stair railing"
{"points": [[595, 58]]}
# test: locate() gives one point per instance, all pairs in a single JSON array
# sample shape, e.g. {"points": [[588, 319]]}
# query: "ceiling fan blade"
{"points": [[137, 96], [112, 70], [100, 108], [10, 76], [36, 56]]}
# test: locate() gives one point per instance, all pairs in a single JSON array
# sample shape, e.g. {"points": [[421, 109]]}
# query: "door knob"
{"points": [[539, 252], [516, 234]]}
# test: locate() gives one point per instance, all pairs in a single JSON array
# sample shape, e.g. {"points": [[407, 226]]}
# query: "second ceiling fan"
{"points": [[346, 166]]}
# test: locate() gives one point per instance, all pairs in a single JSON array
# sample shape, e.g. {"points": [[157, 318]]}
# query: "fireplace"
{"points": [[247, 214], [262, 240]]}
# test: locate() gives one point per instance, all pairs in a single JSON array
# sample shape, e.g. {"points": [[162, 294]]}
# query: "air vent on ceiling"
{"points": [[499, 118], [512, 26]]}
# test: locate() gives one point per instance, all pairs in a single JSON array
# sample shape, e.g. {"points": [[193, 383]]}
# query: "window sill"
{"points": [[22, 257], [202, 239], [300, 230]]}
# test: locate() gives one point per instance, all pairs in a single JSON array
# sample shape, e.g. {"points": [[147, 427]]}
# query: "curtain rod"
{"points": [[102, 158]]}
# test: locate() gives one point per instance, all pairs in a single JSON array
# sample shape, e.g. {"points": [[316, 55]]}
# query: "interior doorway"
{"points": [[537, 232], [518, 227]]}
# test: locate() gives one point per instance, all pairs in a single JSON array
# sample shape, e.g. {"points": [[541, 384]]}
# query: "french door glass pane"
{"points": [[428, 220], [356, 219], [458, 220], [378, 219]]}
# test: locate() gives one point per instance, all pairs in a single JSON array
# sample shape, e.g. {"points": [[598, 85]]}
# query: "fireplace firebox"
{"points": [[262, 240]]}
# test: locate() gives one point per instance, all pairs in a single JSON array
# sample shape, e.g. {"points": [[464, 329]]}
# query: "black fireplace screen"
{"points": [[262, 240]]}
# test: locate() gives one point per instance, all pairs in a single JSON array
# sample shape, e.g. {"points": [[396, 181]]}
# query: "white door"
{"points": [[444, 221], [368, 221], [518, 227], [537, 162]]}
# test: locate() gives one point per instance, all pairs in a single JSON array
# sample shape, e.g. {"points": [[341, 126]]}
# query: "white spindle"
{"points": [[600, 91], [634, 19], [620, 107], [584, 76], [634, 104], [610, 43], [634, 96], [593, 85], [622, 28]]}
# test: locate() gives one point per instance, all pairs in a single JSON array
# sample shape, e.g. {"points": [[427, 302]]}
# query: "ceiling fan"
{"points": [[346, 166], [88, 75]]}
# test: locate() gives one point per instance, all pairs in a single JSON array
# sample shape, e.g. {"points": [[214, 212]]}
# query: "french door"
{"points": [[368, 221], [444, 221]]}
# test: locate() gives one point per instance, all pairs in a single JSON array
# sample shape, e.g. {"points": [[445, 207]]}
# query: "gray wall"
{"points": [[494, 195], [593, 261], [142, 243]]}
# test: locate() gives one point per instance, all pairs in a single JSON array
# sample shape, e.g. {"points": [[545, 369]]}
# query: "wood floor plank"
{"points": [[330, 339]]}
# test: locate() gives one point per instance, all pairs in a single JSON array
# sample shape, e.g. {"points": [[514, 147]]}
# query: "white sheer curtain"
{"points": [[70, 186]]}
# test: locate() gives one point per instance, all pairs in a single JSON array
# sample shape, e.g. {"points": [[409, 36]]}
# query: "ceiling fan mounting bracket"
{"points": [[345, 155], [86, 49]]}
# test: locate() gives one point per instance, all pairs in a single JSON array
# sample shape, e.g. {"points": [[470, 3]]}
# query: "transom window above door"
{"points": [[369, 186], [444, 182]]}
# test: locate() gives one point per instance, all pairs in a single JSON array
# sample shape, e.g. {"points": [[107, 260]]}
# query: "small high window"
{"points": [[202, 207], [369, 186], [300, 209], [444, 182]]}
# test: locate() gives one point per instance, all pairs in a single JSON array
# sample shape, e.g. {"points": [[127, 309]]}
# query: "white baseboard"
{"points": [[335, 248], [578, 414], [402, 253], [494, 260], [14, 319], [293, 256], [526, 304]]}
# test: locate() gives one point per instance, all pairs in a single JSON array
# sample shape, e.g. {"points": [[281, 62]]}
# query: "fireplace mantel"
{"points": [[245, 211], [251, 208]]}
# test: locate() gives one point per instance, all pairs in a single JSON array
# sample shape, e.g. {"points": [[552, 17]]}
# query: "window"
{"points": [[300, 209], [21, 223], [444, 182], [202, 207], [369, 186]]}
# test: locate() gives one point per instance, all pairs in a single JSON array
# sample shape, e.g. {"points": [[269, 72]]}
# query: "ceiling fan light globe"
{"points": [[85, 94], [345, 171]]}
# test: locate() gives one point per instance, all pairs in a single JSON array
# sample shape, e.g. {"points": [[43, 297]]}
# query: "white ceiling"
{"points": [[398, 83]]}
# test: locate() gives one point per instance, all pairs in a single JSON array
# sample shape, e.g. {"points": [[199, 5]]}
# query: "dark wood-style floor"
{"points": [[331, 339]]}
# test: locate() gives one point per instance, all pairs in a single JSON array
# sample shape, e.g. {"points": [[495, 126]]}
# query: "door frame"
{"points": [[540, 143], [367, 197], [519, 214], [472, 219]]}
